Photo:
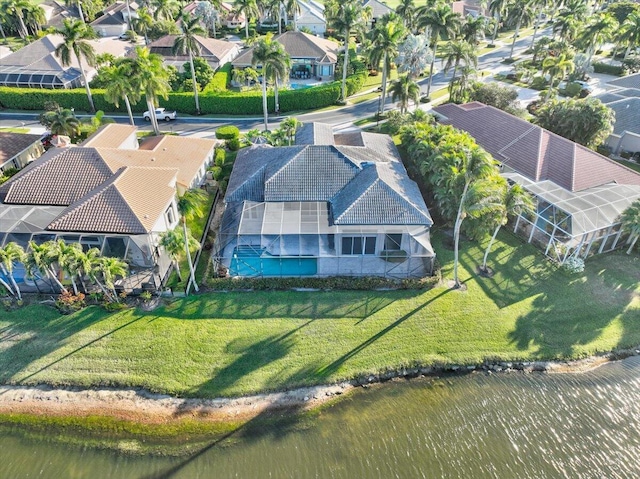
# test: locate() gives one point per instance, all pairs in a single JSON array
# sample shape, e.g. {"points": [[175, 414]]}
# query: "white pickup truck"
{"points": [[161, 114]]}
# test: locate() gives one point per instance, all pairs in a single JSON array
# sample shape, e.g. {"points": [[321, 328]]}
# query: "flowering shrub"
{"points": [[68, 302], [574, 265]]}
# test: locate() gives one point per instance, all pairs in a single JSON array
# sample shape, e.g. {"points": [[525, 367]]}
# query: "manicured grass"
{"points": [[231, 344], [14, 130], [630, 164]]}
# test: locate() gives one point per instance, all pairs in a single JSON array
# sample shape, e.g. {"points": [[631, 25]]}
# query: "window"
{"points": [[392, 242], [354, 245], [171, 218]]}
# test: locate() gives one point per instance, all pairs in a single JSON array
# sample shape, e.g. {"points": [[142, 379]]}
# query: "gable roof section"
{"points": [[535, 152], [209, 47], [11, 144], [120, 205], [382, 194], [315, 134], [378, 8], [298, 45], [111, 135], [627, 111], [58, 178]]}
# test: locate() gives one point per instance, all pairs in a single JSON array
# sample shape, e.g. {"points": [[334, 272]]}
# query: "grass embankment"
{"points": [[240, 343]]}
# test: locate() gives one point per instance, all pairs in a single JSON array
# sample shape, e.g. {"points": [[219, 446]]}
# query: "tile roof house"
{"points": [[311, 17], [215, 52], [314, 56], [624, 100], [105, 196], [18, 149], [378, 9], [324, 208], [56, 12], [114, 20], [37, 66], [580, 194]]}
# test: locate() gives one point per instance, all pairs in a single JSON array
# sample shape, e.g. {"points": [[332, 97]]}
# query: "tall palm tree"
{"points": [[142, 22], [150, 77], [472, 29], [10, 254], [457, 52], [165, 9], [514, 200], [631, 29], [173, 243], [90, 266], [39, 259], [406, 10], [191, 205], [78, 5], [111, 269], [566, 27], [442, 23], [631, 222], [290, 125], [557, 67], [278, 70], [403, 90], [386, 37], [267, 54], [292, 7], [521, 11], [75, 35], [34, 17], [62, 121], [187, 43], [66, 256], [248, 8], [599, 30], [538, 7], [120, 87], [15, 9], [497, 8], [345, 16]]}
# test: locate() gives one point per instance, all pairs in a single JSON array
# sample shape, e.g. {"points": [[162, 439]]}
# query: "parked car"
{"points": [[161, 114]]}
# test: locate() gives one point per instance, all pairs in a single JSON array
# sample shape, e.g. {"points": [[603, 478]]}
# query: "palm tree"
{"points": [[34, 17], [472, 30], [78, 5], [90, 266], [149, 76], [188, 43], [249, 8], [566, 26], [143, 21], [39, 259], [62, 122], [522, 12], [75, 36], [119, 86], [173, 243], [414, 55], [631, 222], [15, 9], [496, 8], [407, 11], [631, 29], [345, 17], [290, 125], [597, 31], [191, 205], [538, 7], [67, 257], [278, 70], [515, 200], [557, 67], [292, 7], [457, 52], [112, 268], [10, 254], [269, 55], [442, 23], [386, 36], [165, 9], [403, 90]]}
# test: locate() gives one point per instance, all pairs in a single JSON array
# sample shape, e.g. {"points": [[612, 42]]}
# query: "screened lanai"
{"points": [[297, 239], [577, 223], [17, 76]]}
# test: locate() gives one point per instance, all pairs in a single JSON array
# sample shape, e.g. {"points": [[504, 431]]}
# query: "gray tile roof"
{"points": [[627, 111], [535, 152], [365, 186], [209, 47], [12, 144], [630, 81], [378, 8], [315, 134]]}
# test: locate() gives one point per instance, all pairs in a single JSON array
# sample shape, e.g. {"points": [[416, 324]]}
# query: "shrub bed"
{"points": [[600, 67], [228, 132]]}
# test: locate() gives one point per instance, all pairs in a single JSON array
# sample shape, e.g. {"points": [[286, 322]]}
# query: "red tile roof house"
{"points": [[580, 194], [109, 194]]}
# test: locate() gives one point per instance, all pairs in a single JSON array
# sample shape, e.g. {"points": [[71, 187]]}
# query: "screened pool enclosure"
{"points": [[578, 223], [296, 239], [17, 76]]}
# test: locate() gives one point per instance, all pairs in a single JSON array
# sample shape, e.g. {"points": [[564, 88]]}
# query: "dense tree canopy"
{"points": [[494, 94]]}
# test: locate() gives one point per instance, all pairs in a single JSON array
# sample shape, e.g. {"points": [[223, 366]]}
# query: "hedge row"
{"points": [[220, 79], [600, 67], [222, 103]]}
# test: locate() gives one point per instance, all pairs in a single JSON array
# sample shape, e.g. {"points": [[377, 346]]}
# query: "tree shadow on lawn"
{"points": [[575, 310], [30, 337], [252, 357], [294, 305]]}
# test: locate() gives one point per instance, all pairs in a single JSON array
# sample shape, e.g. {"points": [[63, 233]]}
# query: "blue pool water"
{"points": [[300, 86], [249, 261]]}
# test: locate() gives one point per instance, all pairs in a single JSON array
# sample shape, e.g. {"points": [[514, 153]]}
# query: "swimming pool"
{"points": [[300, 86], [251, 261]]}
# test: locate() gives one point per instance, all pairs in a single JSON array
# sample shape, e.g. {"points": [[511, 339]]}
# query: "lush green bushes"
{"points": [[220, 79], [600, 67], [228, 132]]}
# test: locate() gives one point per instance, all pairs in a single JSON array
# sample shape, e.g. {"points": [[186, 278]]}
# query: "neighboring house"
{"points": [[56, 12], [18, 149], [311, 17], [229, 18], [114, 20], [378, 9], [37, 66], [624, 100], [580, 194], [215, 52], [474, 8], [106, 194], [332, 205], [311, 56]]}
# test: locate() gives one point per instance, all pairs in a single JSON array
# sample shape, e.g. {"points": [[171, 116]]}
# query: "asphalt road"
{"points": [[340, 117]]}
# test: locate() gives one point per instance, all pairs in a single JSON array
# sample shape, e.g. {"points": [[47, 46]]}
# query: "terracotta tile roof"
{"points": [[535, 152], [58, 178], [111, 135], [11, 144], [298, 45], [122, 204]]}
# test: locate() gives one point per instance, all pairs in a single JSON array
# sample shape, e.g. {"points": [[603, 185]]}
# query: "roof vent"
{"points": [[366, 164], [153, 159]]}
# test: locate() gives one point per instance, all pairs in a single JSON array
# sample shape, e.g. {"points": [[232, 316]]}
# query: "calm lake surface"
{"points": [[474, 426]]}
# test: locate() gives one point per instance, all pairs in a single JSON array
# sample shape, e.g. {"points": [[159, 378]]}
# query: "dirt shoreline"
{"points": [[142, 406]]}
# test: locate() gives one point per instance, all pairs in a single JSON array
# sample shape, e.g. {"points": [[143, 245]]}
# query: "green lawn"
{"points": [[227, 344]]}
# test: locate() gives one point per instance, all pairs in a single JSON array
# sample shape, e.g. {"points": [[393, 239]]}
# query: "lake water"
{"points": [[475, 426]]}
